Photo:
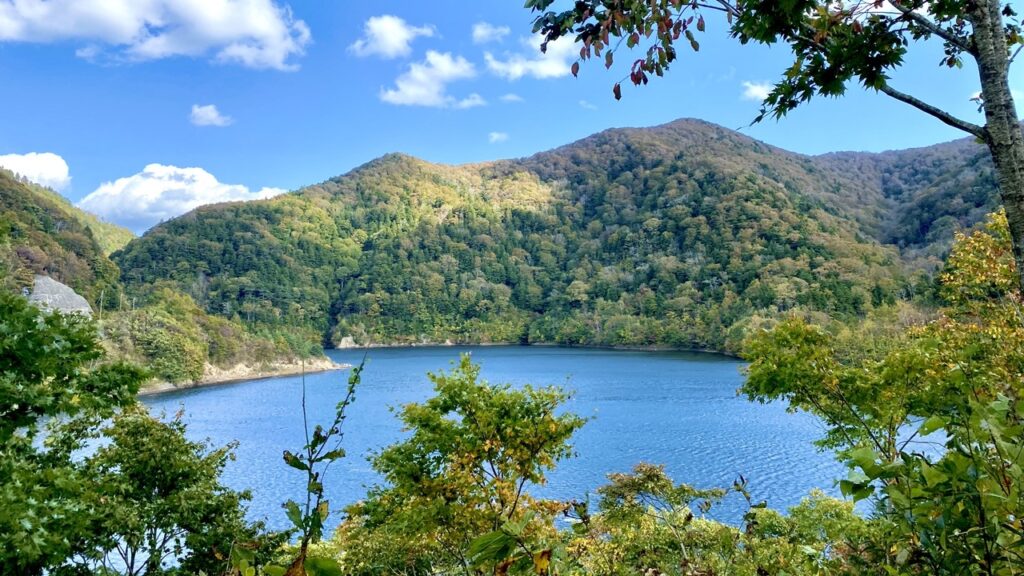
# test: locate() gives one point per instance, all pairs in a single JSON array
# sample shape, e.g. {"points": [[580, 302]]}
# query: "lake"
{"points": [[672, 408]]}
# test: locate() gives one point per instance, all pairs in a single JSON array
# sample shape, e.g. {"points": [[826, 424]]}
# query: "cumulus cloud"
{"points": [[484, 32], [511, 98], [756, 90], [426, 83], [253, 33], [534, 63], [495, 137], [162, 192], [208, 115], [43, 168], [388, 36]]}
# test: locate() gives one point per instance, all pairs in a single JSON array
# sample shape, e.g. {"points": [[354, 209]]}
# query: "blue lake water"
{"points": [[671, 408]]}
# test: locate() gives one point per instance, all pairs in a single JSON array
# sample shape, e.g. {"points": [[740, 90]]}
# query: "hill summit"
{"points": [[685, 234]]}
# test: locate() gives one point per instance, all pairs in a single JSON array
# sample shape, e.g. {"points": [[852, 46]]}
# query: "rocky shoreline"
{"points": [[214, 375]]}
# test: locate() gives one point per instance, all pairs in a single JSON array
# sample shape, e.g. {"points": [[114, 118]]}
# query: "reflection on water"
{"points": [[677, 409]]}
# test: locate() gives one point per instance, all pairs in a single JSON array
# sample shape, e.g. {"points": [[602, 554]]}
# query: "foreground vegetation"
{"points": [[928, 417]]}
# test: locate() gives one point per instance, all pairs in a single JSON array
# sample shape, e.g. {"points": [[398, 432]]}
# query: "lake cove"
{"points": [[673, 408]]}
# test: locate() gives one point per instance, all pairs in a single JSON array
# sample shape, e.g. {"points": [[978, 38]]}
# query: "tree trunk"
{"points": [[1002, 129]]}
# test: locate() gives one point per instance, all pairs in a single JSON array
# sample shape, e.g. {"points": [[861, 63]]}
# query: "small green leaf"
{"points": [[294, 513], [332, 455], [293, 461], [932, 424]]}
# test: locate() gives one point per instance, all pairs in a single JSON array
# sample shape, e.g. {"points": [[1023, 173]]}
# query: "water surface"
{"points": [[671, 408]]}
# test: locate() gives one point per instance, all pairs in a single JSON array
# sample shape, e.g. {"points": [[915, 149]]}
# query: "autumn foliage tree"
{"points": [[949, 503], [834, 43]]}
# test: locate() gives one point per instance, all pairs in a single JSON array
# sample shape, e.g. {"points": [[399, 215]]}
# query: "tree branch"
{"points": [[1014, 57], [932, 27], [723, 5], [942, 115]]}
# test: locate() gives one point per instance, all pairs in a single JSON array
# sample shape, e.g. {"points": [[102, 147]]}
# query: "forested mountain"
{"points": [[42, 233], [928, 192], [679, 235]]}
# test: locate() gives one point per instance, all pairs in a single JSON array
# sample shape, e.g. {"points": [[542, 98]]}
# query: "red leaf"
{"points": [[617, 91], [575, 68]]}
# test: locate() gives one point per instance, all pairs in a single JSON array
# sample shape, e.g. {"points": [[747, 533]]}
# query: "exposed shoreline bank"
{"points": [[215, 376], [450, 344]]}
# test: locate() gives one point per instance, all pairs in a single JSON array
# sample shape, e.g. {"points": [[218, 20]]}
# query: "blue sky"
{"points": [[156, 105]]}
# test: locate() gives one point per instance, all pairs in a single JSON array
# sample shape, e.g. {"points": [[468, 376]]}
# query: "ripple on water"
{"points": [[676, 409]]}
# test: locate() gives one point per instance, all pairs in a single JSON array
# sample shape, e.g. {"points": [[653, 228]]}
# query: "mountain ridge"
{"points": [[686, 234]]}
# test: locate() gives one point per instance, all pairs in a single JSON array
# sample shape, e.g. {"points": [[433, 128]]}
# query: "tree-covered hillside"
{"points": [[41, 233], [678, 235], [159, 327], [930, 192]]}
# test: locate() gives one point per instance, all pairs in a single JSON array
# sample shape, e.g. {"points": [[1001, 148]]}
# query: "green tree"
{"points": [[164, 509], [48, 374], [463, 474], [142, 498], [954, 510], [834, 43], [648, 524]]}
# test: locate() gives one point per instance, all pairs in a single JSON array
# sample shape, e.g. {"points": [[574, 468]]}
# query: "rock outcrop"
{"points": [[51, 295]]}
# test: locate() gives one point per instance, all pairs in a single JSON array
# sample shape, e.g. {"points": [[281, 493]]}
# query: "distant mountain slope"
{"points": [[41, 233], [931, 191], [682, 235], [110, 237], [158, 327]]}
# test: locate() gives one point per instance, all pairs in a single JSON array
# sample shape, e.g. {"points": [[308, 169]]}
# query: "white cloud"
{"points": [[756, 90], [388, 37], [425, 83], [587, 105], [208, 115], [162, 192], [495, 137], [253, 33], [43, 168], [551, 64], [511, 98], [471, 101], [484, 33]]}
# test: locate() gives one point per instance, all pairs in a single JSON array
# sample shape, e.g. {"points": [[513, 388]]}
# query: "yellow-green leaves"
{"points": [[457, 486]]}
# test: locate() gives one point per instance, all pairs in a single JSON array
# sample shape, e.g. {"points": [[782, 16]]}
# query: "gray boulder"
{"points": [[49, 294]]}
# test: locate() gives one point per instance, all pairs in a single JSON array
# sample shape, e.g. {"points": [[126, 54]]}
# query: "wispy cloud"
{"points": [[511, 98], [587, 105], [484, 32], [471, 101], [496, 137]]}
